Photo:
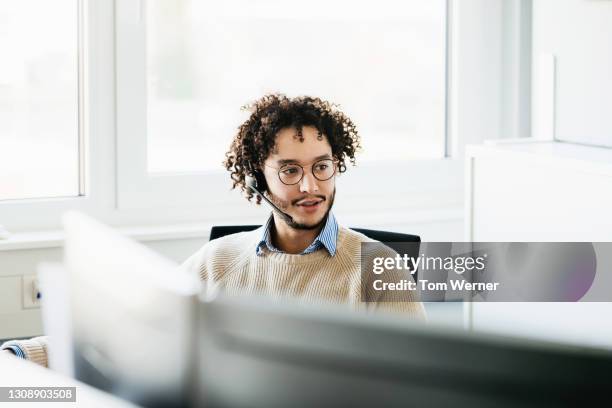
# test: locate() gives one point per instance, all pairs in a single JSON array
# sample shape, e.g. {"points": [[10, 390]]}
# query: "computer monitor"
{"points": [[133, 315], [255, 353]]}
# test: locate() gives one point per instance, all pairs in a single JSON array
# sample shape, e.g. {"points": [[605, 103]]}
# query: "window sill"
{"points": [[55, 239], [358, 218]]}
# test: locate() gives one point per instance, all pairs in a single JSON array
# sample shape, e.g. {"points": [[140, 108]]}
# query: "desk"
{"points": [[15, 372]]}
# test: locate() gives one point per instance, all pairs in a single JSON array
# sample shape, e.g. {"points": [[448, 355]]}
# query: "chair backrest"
{"points": [[219, 231], [391, 239]]}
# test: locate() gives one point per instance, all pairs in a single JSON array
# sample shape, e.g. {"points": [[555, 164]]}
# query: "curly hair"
{"points": [[273, 112]]}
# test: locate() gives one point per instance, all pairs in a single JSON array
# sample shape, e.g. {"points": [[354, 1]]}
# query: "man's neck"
{"points": [[291, 240]]}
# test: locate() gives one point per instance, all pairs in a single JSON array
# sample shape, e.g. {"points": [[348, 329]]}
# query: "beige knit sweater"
{"points": [[231, 264]]}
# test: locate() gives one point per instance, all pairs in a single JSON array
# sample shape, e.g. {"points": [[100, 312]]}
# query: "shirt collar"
{"points": [[327, 238]]}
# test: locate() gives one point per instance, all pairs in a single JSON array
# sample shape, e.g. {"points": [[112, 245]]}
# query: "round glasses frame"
{"points": [[333, 163]]}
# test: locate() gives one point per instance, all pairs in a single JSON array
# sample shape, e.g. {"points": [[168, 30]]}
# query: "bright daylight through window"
{"points": [[383, 62], [39, 147]]}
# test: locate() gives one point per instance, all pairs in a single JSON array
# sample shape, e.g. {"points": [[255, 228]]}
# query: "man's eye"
{"points": [[290, 170], [321, 167]]}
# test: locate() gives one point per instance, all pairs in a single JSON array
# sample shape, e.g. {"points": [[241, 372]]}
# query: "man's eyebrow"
{"points": [[293, 161]]}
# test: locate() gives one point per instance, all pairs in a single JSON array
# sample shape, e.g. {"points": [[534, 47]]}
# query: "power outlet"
{"points": [[31, 292]]}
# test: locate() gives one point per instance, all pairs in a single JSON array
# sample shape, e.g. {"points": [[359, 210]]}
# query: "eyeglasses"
{"points": [[291, 174]]}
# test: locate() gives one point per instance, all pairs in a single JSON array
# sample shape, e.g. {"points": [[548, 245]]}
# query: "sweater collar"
{"points": [[327, 238]]}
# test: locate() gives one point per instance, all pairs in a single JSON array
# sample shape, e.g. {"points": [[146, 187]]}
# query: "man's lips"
{"points": [[309, 202]]}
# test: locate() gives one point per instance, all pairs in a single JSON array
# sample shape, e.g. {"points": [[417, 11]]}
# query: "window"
{"points": [[39, 128], [384, 62], [135, 75]]}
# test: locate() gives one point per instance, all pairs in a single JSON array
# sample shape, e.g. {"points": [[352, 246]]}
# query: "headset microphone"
{"points": [[252, 184]]}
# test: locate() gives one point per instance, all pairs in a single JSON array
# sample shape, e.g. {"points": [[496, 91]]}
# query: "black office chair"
{"points": [[391, 239]]}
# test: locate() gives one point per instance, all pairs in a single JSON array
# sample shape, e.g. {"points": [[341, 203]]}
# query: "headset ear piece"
{"points": [[260, 181], [256, 183]]}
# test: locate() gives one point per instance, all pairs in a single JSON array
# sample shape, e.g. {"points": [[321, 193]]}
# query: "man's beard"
{"points": [[283, 205]]}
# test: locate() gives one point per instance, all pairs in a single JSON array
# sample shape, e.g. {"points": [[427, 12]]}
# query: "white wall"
{"points": [[552, 191], [579, 35]]}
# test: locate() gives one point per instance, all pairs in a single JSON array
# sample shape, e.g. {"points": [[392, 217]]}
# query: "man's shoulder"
{"points": [[354, 241], [234, 243], [225, 249], [352, 235]]}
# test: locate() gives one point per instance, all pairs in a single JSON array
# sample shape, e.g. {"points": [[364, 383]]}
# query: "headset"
{"points": [[257, 184]]}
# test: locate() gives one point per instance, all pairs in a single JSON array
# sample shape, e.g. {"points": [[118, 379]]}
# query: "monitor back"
{"points": [[258, 354], [133, 316]]}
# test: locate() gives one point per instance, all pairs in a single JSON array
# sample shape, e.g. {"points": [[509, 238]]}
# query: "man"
{"points": [[294, 149]]}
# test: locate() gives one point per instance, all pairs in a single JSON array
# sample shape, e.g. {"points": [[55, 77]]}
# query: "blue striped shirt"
{"points": [[17, 351], [326, 239]]}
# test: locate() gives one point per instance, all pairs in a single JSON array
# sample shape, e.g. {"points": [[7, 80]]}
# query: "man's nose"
{"points": [[309, 183]]}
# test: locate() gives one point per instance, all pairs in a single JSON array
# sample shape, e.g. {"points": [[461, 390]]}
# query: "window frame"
{"points": [[44, 213]]}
